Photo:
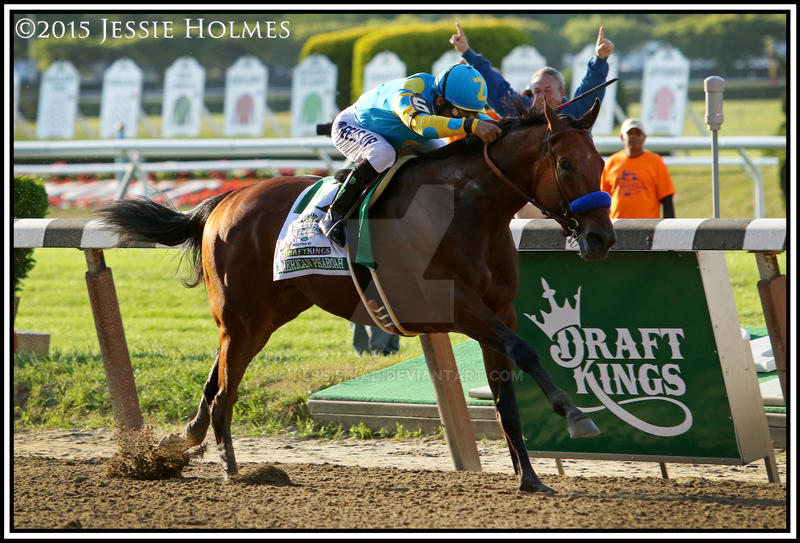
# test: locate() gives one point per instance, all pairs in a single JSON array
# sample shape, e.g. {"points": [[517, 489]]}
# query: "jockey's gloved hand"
{"points": [[486, 131]]}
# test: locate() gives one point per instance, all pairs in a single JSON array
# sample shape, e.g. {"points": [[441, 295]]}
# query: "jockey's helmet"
{"points": [[463, 86]]}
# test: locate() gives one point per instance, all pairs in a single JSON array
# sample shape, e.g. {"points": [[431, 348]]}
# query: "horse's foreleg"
{"points": [[578, 424], [480, 323], [498, 339], [499, 374]]}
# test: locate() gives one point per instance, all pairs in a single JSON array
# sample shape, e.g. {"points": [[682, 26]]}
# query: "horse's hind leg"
{"points": [[499, 373], [195, 432], [243, 333], [236, 352]]}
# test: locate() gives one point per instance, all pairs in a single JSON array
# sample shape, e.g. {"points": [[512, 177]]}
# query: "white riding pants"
{"points": [[358, 143]]}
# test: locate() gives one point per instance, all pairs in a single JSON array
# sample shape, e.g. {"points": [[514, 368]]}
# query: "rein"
{"points": [[518, 190], [569, 224]]}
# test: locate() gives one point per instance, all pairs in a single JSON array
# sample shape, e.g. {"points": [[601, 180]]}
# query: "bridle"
{"points": [[569, 224]]}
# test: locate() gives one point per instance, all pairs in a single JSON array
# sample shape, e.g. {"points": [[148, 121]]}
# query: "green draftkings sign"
{"points": [[630, 339]]}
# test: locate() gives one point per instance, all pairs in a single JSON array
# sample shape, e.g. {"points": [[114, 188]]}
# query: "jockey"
{"points": [[419, 109]]}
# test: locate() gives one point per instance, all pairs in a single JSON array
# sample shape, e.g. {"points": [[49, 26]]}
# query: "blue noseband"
{"points": [[590, 201]]}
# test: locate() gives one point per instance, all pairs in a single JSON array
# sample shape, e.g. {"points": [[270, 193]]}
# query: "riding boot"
{"points": [[332, 224]]}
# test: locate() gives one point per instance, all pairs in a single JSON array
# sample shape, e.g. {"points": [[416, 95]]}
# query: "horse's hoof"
{"points": [[583, 427], [537, 487], [173, 442], [197, 451]]}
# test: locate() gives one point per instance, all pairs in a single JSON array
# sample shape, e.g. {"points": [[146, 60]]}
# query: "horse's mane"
{"points": [[522, 116]]}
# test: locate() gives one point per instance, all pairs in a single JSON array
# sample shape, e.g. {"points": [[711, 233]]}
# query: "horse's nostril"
{"points": [[596, 245], [594, 240]]}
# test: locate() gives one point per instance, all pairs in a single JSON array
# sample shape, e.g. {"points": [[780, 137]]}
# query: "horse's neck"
{"points": [[481, 196], [515, 157]]}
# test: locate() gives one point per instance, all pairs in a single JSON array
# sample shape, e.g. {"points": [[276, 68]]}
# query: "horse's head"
{"points": [[549, 161], [567, 183]]}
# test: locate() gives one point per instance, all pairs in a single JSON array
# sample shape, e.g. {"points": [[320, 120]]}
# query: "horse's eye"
{"points": [[563, 164]]}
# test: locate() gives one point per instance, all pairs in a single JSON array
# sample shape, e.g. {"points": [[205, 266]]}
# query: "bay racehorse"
{"points": [[444, 254]]}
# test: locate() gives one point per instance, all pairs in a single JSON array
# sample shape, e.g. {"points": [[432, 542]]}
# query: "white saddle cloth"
{"points": [[302, 249]]}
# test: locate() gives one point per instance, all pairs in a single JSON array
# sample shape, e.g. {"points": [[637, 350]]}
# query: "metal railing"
{"points": [[313, 147], [134, 157]]}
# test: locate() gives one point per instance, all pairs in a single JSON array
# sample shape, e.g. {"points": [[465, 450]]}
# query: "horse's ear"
{"points": [[588, 119], [551, 116]]}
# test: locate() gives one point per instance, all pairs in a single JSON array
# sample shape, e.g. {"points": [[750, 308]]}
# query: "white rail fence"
{"points": [[763, 237], [137, 157]]}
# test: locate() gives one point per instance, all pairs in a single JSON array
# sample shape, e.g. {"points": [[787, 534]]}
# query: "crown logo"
{"points": [[560, 317]]}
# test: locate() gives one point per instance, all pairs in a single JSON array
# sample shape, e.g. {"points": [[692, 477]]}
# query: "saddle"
{"points": [[375, 190]]}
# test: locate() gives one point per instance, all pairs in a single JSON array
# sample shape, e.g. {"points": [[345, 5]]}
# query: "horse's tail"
{"points": [[144, 220]]}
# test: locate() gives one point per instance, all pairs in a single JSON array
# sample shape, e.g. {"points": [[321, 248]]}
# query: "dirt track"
{"points": [[60, 482]]}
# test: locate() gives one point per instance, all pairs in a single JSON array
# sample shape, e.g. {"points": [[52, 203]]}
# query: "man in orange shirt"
{"points": [[637, 180]]}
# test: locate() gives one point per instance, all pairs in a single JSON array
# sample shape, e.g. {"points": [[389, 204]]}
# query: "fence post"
{"points": [[113, 347], [450, 400]]}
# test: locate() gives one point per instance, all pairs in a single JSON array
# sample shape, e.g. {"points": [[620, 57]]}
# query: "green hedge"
{"points": [[419, 46], [338, 47], [30, 201]]}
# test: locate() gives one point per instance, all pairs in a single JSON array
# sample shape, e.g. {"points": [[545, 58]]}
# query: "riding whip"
{"points": [[587, 93]]}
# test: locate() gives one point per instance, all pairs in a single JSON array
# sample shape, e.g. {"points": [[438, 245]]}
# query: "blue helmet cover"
{"points": [[463, 86]]}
